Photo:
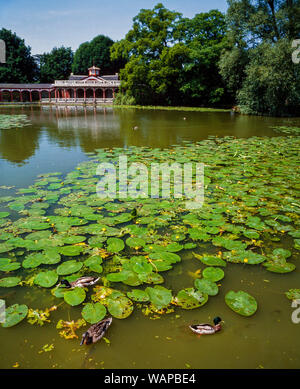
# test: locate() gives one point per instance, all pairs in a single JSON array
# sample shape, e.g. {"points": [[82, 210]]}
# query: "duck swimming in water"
{"points": [[207, 329], [96, 332], [82, 282]]}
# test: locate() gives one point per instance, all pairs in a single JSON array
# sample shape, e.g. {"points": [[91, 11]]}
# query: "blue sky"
{"points": [[45, 24]]}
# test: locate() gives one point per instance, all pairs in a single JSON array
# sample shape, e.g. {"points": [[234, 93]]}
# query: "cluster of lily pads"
{"points": [[8, 122], [59, 228]]}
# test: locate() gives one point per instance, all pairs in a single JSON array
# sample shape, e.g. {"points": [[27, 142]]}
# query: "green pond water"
{"points": [[57, 140]]}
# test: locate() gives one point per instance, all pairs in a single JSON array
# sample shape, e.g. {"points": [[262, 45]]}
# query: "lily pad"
{"points": [[190, 298], [114, 245], [14, 315], [138, 295], [206, 286], [213, 274], [9, 282], [159, 296], [210, 260], [241, 302], [93, 313], [74, 297], [293, 294], [46, 279], [120, 307], [71, 251], [69, 267]]}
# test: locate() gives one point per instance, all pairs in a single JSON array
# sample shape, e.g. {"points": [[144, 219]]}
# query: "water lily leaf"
{"points": [[293, 294], [121, 307], [165, 256], [51, 256], [279, 267], [190, 298], [72, 239], [282, 253], [114, 245], [241, 302], [71, 251], [7, 265], [93, 313], [210, 260], [151, 278], [9, 282], [4, 214], [159, 296], [213, 274], [117, 277], [206, 286], [94, 263], [74, 297], [5, 247], [244, 256], [141, 265], [33, 260], [138, 295], [46, 279], [132, 278], [14, 315], [69, 267], [135, 242]]}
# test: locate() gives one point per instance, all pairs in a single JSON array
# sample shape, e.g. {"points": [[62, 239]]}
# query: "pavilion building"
{"points": [[81, 89]]}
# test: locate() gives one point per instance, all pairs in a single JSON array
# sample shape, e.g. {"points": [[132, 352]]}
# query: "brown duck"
{"points": [[96, 332]]}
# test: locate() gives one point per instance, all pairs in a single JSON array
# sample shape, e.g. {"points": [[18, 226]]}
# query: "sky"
{"points": [[44, 24]]}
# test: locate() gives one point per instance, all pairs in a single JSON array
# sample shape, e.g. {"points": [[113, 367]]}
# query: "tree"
{"points": [[20, 66], [96, 52], [56, 65], [172, 60], [257, 62], [147, 48], [204, 35]]}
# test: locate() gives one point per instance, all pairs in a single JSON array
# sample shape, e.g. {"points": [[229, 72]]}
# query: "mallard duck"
{"points": [[96, 332], [207, 329], [82, 282]]}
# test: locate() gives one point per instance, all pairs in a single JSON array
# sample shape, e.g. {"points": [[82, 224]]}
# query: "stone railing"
{"points": [[82, 84], [78, 100]]}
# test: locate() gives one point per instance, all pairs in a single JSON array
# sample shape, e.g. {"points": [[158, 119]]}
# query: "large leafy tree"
{"points": [[257, 63], [204, 36], [96, 52], [172, 60], [154, 57], [56, 65], [20, 66]]}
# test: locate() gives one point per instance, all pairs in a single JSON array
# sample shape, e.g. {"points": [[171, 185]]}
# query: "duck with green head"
{"points": [[207, 329]]}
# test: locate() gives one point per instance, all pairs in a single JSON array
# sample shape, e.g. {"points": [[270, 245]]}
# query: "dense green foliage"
{"points": [[171, 60], [20, 66], [257, 63], [96, 52], [56, 65]]}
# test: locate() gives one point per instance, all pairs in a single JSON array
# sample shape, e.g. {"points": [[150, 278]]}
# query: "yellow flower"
{"points": [[103, 229], [246, 260]]}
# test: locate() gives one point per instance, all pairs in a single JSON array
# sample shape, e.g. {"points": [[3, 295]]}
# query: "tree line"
{"points": [[243, 58]]}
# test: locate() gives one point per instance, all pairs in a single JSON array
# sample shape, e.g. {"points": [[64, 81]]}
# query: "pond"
{"points": [[250, 206]]}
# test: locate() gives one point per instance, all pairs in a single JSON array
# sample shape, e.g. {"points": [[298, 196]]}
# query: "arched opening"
{"points": [[79, 93], [89, 93], [99, 93], [45, 94], [52, 94], [25, 95], [109, 93], [35, 95], [16, 96], [6, 96]]}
